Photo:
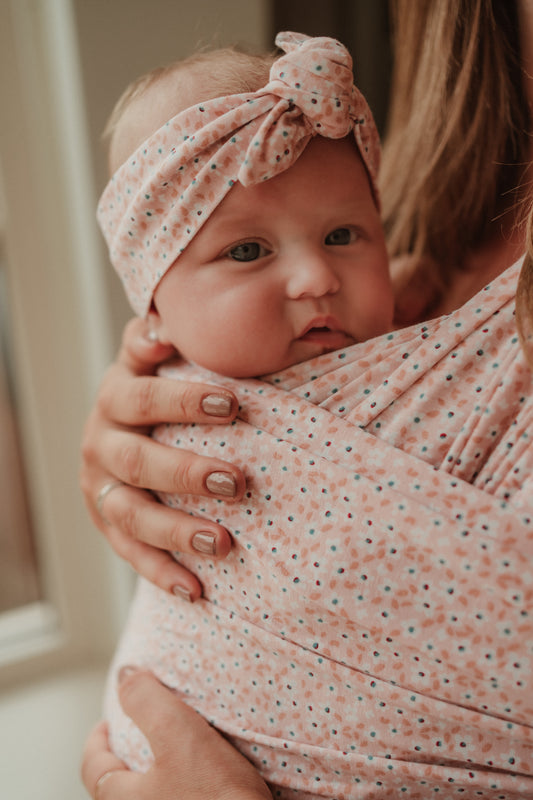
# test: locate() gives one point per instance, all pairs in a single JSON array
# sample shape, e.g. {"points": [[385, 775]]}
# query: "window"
{"points": [[63, 584]]}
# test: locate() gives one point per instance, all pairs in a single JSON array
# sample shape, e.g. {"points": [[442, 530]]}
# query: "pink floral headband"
{"points": [[159, 199]]}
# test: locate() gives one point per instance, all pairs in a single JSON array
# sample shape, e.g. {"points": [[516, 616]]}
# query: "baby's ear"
{"points": [[156, 327]]}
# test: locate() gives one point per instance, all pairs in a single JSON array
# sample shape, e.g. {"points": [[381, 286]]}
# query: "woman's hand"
{"points": [[116, 450], [192, 760]]}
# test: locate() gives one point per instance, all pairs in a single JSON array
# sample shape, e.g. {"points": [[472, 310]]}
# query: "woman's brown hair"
{"points": [[457, 138]]}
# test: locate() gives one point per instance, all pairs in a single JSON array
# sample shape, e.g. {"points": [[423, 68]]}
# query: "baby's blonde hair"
{"points": [[215, 73]]}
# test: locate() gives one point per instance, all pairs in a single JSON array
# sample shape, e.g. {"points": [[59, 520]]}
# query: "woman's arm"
{"points": [[115, 447], [192, 760]]}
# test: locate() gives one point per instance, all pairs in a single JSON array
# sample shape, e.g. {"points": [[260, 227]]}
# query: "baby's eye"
{"points": [[341, 236], [247, 251]]}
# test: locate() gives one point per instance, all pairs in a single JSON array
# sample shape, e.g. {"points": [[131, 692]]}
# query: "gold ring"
{"points": [[102, 494], [101, 780]]}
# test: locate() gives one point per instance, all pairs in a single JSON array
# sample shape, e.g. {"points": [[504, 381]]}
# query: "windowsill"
{"points": [[28, 631], [43, 727]]}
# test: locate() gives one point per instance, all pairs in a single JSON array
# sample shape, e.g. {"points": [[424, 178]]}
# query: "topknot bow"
{"points": [[313, 84], [158, 200]]}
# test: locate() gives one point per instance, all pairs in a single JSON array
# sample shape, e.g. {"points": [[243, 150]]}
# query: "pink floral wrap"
{"points": [[159, 199], [371, 633]]}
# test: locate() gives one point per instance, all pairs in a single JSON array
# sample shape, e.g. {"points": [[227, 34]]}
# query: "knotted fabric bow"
{"points": [[159, 199]]}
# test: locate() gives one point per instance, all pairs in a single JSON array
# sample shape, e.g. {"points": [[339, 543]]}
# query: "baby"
{"points": [[243, 217], [248, 227]]}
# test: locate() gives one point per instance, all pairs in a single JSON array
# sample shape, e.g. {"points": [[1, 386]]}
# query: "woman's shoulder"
{"points": [[420, 295]]}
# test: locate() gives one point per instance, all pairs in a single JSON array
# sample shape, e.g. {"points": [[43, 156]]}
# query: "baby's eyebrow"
{"points": [[231, 220]]}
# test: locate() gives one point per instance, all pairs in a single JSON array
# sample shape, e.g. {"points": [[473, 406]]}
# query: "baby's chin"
{"points": [[311, 354], [315, 343]]}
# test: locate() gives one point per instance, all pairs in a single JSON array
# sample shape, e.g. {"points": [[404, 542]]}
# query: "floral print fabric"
{"points": [[370, 634]]}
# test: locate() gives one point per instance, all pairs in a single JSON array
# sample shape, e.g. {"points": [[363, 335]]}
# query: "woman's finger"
{"points": [[141, 518], [133, 526], [130, 395], [140, 461], [141, 352], [192, 759], [156, 565], [148, 400], [98, 762], [144, 533], [157, 711]]}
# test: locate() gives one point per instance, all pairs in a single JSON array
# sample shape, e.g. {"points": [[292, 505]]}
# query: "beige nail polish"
{"points": [[216, 405], [204, 542], [181, 591], [126, 671], [221, 483]]}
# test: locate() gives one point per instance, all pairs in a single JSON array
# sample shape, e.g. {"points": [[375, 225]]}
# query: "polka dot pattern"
{"points": [[370, 634], [159, 199]]}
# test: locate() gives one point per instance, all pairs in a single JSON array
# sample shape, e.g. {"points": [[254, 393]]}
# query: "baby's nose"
{"points": [[312, 275]]}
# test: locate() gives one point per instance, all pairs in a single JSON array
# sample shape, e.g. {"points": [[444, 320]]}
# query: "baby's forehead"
{"points": [[180, 86], [329, 168], [167, 96]]}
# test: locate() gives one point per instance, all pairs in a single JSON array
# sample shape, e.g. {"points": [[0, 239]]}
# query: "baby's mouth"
{"points": [[329, 336]]}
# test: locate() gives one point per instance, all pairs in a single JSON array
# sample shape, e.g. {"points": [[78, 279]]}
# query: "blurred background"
{"points": [[63, 595]]}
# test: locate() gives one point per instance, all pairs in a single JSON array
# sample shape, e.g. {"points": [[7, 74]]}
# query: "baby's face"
{"points": [[282, 271]]}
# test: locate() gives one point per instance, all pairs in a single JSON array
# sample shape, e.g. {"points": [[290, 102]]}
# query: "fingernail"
{"points": [[221, 483], [125, 672], [217, 405], [152, 337], [204, 542], [181, 591]]}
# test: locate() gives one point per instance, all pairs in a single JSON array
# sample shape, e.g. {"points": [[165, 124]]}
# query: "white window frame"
{"points": [[61, 339]]}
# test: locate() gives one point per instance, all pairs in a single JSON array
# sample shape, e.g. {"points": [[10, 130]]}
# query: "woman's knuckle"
{"points": [[188, 402], [182, 408], [104, 399], [145, 401], [160, 575], [129, 521], [166, 718], [88, 445], [184, 477], [177, 538], [133, 463]]}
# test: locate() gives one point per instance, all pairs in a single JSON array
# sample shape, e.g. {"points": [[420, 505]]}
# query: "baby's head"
{"points": [[252, 241], [159, 95]]}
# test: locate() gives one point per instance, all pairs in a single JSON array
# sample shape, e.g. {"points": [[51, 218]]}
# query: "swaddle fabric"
{"points": [[370, 635]]}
